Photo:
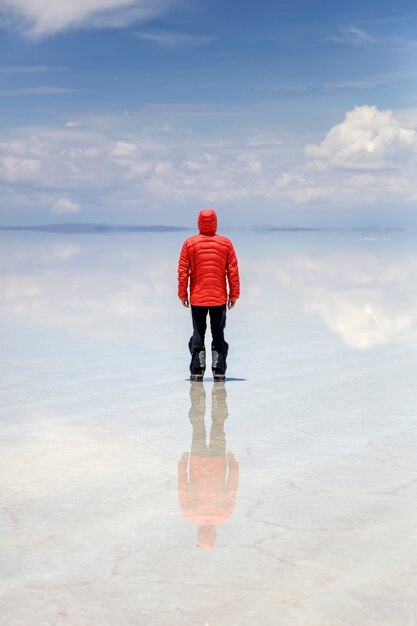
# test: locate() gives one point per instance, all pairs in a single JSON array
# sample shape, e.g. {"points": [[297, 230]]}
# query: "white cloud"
{"points": [[38, 18], [72, 124], [311, 193], [354, 36], [36, 91], [300, 88], [123, 150], [30, 69], [16, 170], [351, 84], [250, 162], [369, 159], [286, 87], [65, 205], [361, 35], [366, 139], [175, 40]]}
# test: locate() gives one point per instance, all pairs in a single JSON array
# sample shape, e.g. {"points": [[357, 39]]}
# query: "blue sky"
{"points": [[284, 113]]}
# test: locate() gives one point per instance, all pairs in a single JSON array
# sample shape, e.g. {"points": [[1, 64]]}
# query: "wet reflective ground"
{"points": [[284, 496]]}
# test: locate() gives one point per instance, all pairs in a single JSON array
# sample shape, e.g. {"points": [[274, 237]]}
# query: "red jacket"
{"points": [[206, 260]]}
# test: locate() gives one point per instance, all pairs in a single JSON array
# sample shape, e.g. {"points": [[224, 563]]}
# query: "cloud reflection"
{"points": [[111, 288], [103, 289], [368, 299]]}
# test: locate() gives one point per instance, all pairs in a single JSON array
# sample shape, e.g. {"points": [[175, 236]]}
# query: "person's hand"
{"points": [[185, 303], [231, 304]]}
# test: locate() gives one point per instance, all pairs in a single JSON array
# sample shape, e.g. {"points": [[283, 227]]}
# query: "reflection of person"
{"points": [[206, 261], [208, 477]]}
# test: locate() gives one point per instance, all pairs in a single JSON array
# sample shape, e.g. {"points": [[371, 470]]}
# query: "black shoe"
{"points": [[198, 361], [218, 365], [196, 377]]}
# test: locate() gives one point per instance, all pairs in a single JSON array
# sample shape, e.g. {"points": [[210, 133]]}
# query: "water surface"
{"points": [[132, 497]]}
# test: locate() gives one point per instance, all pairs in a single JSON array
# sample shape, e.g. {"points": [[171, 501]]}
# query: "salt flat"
{"points": [[300, 471]]}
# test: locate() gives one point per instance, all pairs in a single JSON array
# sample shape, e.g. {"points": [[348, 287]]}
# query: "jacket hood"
{"points": [[207, 222]]}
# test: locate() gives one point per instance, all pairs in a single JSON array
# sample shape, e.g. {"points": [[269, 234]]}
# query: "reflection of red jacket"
{"points": [[206, 260], [206, 497]]}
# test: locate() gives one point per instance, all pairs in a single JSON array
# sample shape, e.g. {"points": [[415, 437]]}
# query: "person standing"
{"points": [[208, 266]]}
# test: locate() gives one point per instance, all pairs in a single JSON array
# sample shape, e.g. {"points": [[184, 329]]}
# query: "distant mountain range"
{"points": [[74, 227]]}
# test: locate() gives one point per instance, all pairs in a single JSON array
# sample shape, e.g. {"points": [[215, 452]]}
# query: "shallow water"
{"points": [[285, 496]]}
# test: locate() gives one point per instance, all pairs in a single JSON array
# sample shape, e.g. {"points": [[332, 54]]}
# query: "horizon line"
{"points": [[102, 227]]}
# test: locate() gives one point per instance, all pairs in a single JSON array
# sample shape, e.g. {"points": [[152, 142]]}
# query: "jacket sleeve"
{"points": [[232, 271], [184, 267]]}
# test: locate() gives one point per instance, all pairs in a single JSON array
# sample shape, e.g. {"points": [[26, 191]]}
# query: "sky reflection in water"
{"points": [[106, 485], [123, 288]]}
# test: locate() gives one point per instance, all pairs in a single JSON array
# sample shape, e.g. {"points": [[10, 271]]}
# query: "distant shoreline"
{"points": [[83, 228], [330, 229], [79, 228]]}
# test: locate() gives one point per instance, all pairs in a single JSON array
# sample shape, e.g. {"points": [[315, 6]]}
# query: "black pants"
{"points": [[219, 347]]}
